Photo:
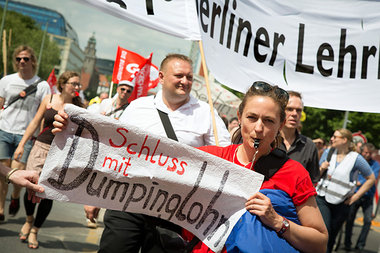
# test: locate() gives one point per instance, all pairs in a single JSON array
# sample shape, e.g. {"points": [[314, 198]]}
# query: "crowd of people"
{"points": [[309, 189]]}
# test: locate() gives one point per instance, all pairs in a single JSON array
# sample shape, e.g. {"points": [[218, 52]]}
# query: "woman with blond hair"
{"points": [[68, 86], [336, 188]]}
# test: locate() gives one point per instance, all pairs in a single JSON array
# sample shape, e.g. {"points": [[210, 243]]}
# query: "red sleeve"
{"points": [[304, 190], [294, 179], [225, 153]]}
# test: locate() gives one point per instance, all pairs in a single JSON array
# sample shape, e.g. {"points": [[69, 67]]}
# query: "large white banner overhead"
{"points": [[177, 18], [328, 50]]}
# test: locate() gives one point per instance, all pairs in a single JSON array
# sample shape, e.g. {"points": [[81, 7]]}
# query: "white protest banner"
{"points": [[99, 161], [225, 102], [328, 50], [174, 17]]}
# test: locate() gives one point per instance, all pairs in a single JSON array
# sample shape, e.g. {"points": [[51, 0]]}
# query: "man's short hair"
{"points": [[170, 57], [33, 58], [294, 93], [369, 146], [233, 118]]}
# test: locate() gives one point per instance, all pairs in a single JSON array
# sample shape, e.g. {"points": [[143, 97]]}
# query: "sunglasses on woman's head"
{"points": [[281, 93]]}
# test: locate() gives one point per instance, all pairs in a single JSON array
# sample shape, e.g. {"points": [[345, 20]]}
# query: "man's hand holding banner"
{"points": [[98, 161]]}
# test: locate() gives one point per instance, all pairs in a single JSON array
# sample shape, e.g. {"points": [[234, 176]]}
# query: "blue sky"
{"points": [[111, 31]]}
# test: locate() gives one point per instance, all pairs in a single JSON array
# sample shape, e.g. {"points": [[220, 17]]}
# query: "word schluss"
{"points": [[173, 164]]}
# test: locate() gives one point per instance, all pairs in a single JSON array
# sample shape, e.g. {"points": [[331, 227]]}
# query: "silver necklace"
{"points": [[237, 159]]}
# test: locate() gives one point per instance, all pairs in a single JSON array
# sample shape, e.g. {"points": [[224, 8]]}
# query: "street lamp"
{"points": [[42, 44]]}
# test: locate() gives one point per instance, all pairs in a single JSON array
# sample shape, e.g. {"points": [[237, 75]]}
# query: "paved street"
{"points": [[65, 231], [373, 240]]}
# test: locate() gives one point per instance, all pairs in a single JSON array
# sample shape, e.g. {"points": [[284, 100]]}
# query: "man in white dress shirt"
{"points": [[192, 124]]}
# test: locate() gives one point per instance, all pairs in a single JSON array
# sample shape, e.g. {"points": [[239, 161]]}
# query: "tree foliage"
{"points": [[23, 30], [321, 123]]}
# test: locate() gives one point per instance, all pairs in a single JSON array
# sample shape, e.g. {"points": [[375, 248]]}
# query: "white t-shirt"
{"points": [[17, 117], [107, 106], [191, 122]]}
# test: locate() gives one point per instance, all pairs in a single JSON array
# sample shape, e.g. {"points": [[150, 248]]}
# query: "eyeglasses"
{"points": [[336, 136], [26, 59], [75, 84], [280, 93], [127, 90]]}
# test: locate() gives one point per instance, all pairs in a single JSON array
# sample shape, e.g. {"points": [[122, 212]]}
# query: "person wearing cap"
{"points": [[114, 107]]}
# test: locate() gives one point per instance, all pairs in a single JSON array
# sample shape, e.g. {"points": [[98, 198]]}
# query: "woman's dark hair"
{"points": [[63, 79], [279, 96]]}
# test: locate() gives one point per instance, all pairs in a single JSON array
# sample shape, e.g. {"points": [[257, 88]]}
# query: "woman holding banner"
{"points": [[69, 86], [283, 216]]}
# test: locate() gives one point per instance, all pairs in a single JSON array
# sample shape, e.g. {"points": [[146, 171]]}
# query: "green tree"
{"points": [[25, 31], [322, 123]]}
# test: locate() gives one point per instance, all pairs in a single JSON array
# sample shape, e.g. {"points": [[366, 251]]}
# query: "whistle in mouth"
{"points": [[256, 143]]}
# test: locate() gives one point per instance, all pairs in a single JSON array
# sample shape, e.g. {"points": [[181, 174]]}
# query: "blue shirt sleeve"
{"points": [[362, 166], [323, 156]]}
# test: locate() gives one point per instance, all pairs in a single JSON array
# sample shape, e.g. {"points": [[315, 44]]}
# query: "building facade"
{"points": [[58, 29]]}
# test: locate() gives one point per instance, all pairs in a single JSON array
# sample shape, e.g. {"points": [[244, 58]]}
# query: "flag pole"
{"points": [[110, 92], [5, 52], [210, 102]]}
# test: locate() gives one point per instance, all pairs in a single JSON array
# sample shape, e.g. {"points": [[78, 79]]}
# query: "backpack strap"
{"points": [[328, 158], [167, 125], [26, 92], [329, 154], [118, 109], [268, 165]]}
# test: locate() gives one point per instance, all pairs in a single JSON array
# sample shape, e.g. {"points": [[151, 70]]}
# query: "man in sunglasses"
{"points": [[299, 147], [114, 107], [17, 115]]}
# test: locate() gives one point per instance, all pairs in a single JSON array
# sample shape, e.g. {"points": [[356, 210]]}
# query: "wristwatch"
{"points": [[284, 228]]}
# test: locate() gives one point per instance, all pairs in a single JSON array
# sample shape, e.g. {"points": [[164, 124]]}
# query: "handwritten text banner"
{"points": [[102, 162]]}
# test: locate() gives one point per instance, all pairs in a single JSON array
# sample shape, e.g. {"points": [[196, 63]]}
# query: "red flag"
{"points": [[52, 81], [142, 80], [127, 63], [153, 77]]}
